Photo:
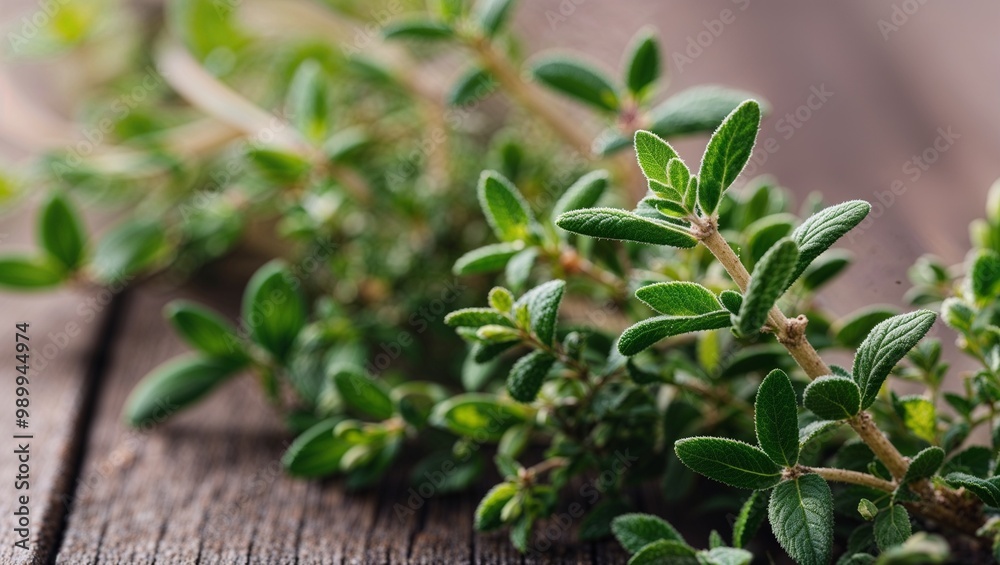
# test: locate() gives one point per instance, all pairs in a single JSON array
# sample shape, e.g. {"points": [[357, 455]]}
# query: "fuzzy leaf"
{"points": [[679, 298], [892, 527], [654, 155], [60, 231], [679, 175], [823, 229], [886, 345], [487, 259], [506, 211], [729, 461], [173, 386], [274, 309], [987, 490], [27, 273], [476, 317], [833, 397], [725, 556], [488, 511], [639, 336], [732, 300], [519, 266], [924, 464], [801, 516], [543, 306], [635, 531], [583, 193], [642, 66], [776, 419], [727, 153], [985, 275], [578, 80], [611, 223], [665, 552], [825, 268], [920, 417], [527, 374], [767, 283], [750, 518], [491, 15], [364, 394]]}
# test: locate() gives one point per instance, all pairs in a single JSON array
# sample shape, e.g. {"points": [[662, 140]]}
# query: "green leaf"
{"points": [[886, 345], [732, 300], [472, 86], [662, 205], [697, 109], [60, 231], [987, 490], [309, 100], [527, 374], [727, 153], [476, 317], [364, 394], [640, 336], [491, 15], [274, 310], [578, 80], [728, 461], [921, 548], [920, 417], [486, 259], [635, 531], [750, 518], [833, 397], [767, 283], [823, 229], [316, 452], [583, 193], [985, 275], [776, 419], [825, 268], [175, 385], [725, 556], [205, 330], [543, 308], [418, 29], [654, 155], [520, 533], [856, 326], [892, 527], [479, 416], [611, 223], [763, 234], [506, 211], [642, 62], [519, 267], [867, 509], [924, 464], [128, 249], [279, 166], [665, 552], [680, 175], [487, 515], [801, 516], [25, 273], [679, 298]]}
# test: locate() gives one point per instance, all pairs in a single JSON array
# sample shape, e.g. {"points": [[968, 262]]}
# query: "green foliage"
{"points": [[892, 527], [767, 283], [577, 79], [274, 310], [174, 385], [635, 531], [801, 516], [729, 461], [28, 273], [642, 63], [609, 223], [823, 229], [886, 345], [833, 397], [644, 334], [775, 417], [205, 330], [60, 232], [727, 153]]}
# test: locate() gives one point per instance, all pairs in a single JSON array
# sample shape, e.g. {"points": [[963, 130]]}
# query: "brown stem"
{"points": [[852, 477]]}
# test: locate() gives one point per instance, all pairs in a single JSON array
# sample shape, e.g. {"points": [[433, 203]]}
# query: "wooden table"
{"points": [[208, 487]]}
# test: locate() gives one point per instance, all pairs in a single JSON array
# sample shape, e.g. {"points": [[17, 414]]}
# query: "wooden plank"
{"points": [[67, 330]]}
